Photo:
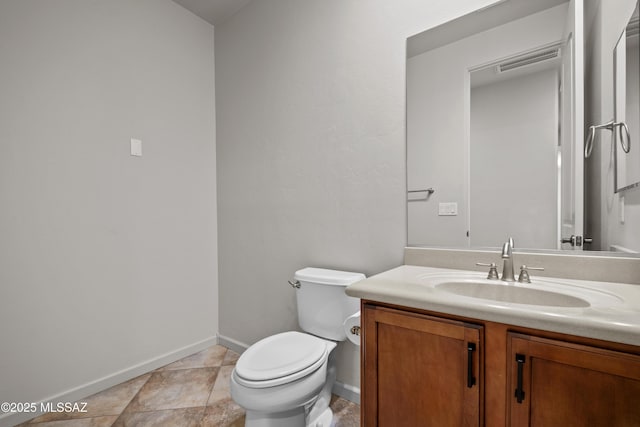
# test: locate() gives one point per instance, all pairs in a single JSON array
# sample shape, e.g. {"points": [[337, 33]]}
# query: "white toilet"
{"points": [[285, 380]]}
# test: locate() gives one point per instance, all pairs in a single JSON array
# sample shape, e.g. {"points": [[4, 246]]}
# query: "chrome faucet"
{"points": [[507, 256]]}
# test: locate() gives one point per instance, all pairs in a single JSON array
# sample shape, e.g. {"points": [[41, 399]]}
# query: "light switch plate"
{"points": [[136, 147], [448, 209]]}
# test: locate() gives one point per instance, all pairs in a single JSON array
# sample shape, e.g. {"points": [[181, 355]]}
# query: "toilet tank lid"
{"points": [[328, 277]]}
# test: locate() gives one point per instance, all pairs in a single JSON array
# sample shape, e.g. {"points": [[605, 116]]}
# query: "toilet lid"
{"points": [[286, 356]]}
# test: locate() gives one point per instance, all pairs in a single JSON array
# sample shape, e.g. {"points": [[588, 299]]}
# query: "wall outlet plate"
{"points": [[448, 209], [136, 147]]}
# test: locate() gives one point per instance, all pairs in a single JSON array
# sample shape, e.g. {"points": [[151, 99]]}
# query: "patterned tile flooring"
{"points": [[192, 392]]}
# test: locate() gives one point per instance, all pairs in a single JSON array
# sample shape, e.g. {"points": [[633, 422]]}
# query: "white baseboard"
{"points": [[345, 391], [231, 344], [100, 384]]}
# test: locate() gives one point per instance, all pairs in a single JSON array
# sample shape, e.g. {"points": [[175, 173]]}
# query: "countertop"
{"points": [[613, 313]]}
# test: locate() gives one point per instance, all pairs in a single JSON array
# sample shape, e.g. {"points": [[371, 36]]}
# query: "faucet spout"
{"points": [[507, 256]]}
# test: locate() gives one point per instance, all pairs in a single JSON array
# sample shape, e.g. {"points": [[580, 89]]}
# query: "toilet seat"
{"points": [[280, 359]]}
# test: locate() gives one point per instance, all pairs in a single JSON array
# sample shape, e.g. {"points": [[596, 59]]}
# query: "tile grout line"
{"points": [[124, 409], [216, 379]]}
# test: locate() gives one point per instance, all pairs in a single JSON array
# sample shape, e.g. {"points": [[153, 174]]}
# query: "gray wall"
{"points": [[311, 149], [107, 261]]}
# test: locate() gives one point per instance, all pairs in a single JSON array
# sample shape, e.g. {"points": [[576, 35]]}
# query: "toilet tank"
{"points": [[322, 303]]}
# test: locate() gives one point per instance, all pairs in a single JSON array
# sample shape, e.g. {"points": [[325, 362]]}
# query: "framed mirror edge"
{"points": [[498, 250], [613, 253], [633, 20]]}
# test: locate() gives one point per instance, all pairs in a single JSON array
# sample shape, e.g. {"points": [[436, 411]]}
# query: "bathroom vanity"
{"points": [[449, 347]]}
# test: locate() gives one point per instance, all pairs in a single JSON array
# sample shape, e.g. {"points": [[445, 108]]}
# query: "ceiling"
{"points": [[480, 20], [215, 12]]}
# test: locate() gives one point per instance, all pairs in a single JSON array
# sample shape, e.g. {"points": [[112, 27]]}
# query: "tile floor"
{"points": [[193, 391]]}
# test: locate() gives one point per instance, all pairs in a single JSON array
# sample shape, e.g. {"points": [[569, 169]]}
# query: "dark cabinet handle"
{"points": [[471, 380], [520, 359]]}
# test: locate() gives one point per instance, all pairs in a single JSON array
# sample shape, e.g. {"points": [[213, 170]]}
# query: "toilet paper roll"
{"points": [[352, 328]]}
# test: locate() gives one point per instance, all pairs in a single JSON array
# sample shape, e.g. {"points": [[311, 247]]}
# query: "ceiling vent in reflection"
{"points": [[632, 27], [529, 59]]}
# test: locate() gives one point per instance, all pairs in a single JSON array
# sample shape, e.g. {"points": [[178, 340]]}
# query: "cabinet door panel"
{"points": [[572, 385], [416, 370]]}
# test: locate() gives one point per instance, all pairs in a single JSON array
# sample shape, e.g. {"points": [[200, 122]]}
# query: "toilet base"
{"points": [[324, 420], [293, 418]]}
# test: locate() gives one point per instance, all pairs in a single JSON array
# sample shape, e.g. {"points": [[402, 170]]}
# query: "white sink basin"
{"points": [[512, 293], [542, 292]]}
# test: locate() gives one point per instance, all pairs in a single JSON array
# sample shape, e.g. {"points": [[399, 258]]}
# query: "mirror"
{"points": [[626, 100], [492, 117]]}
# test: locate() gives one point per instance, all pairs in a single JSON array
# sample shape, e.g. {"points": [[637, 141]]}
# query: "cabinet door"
{"points": [[553, 383], [420, 370]]}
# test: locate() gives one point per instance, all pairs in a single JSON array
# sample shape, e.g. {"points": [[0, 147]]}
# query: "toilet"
{"points": [[285, 380]]}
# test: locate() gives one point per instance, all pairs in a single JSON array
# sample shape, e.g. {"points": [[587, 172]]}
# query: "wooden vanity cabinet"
{"points": [[418, 369], [556, 383]]}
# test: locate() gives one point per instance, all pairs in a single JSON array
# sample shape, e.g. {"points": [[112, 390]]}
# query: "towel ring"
{"points": [[626, 147]]}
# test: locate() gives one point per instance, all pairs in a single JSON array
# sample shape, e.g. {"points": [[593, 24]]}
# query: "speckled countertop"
{"points": [[610, 311]]}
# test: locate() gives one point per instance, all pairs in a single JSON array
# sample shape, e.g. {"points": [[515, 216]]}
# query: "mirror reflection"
{"points": [[611, 218], [488, 159], [515, 150], [627, 97], [491, 122]]}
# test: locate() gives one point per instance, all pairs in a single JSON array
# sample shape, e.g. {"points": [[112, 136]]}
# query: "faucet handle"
{"points": [[493, 270], [523, 277]]}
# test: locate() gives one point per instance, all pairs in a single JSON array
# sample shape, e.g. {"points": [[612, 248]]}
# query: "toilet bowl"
{"points": [[286, 380], [277, 388]]}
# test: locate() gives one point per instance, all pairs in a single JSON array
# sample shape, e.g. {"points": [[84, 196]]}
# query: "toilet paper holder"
{"points": [[352, 328]]}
